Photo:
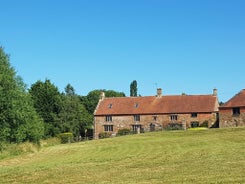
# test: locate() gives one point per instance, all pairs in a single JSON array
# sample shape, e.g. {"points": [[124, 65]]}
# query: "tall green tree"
{"points": [[74, 116], [69, 90], [7, 93], [91, 100], [47, 102], [27, 123], [18, 119], [133, 88]]}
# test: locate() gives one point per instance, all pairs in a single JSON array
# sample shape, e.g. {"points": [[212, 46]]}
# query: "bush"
{"points": [[103, 135], [174, 126], [194, 124], [65, 137], [124, 131], [204, 124]]}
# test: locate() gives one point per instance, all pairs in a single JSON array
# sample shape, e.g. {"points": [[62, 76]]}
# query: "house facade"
{"points": [[152, 113], [232, 113]]}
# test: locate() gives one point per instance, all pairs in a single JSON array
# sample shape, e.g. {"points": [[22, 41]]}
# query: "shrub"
{"points": [[103, 135], [65, 137], [124, 131], [194, 124], [174, 126], [204, 124]]}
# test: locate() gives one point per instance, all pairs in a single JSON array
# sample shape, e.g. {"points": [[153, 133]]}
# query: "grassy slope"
{"points": [[206, 156]]}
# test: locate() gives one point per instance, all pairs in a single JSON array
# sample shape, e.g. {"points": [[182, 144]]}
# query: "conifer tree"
{"points": [[47, 102], [133, 88]]}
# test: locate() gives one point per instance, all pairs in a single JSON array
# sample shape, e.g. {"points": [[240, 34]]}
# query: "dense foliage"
{"points": [[47, 102], [18, 119], [43, 111], [124, 131], [65, 137], [61, 112]]}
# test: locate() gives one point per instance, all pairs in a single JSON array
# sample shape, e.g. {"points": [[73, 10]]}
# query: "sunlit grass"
{"points": [[212, 156], [198, 128]]}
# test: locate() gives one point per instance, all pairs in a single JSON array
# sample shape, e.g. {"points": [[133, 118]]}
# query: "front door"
{"points": [[152, 127]]}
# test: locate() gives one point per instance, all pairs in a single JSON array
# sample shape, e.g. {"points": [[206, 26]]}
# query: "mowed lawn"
{"points": [[202, 156]]}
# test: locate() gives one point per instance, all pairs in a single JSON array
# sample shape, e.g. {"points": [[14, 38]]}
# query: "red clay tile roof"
{"points": [[236, 101], [157, 105]]}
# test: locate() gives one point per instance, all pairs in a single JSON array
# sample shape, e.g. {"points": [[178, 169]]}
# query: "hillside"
{"points": [[206, 156]]}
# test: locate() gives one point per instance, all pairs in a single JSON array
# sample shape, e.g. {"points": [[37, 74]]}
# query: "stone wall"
{"points": [[148, 122], [227, 119]]}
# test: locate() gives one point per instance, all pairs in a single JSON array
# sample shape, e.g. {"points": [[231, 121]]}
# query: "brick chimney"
{"points": [[159, 92], [215, 92], [102, 95]]}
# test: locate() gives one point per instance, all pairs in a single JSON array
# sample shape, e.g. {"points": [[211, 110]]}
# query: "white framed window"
{"points": [[108, 118], [108, 128], [135, 128], [173, 117], [136, 117]]}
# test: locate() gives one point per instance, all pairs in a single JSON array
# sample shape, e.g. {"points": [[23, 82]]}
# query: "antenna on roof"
{"points": [[155, 86]]}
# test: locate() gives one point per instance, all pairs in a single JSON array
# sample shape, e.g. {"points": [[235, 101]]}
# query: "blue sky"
{"points": [[189, 46]]}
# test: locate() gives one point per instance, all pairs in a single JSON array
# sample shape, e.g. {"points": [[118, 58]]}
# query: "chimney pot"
{"points": [[215, 92], [102, 95], [159, 92]]}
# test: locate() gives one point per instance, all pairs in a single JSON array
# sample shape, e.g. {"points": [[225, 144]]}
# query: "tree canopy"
{"points": [[42, 111], [74, 117], [47, 102], [92, 99], [18, 119]]}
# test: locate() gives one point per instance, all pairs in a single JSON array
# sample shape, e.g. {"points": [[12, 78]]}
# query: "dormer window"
{"points": [[136, 105], [110, 106]]}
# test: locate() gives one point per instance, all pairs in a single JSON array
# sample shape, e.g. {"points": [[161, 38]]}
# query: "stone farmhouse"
{"points": [[151, 113], [232, 113]]}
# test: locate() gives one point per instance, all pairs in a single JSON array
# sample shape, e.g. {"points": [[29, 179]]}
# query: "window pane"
{"points": [[108, 128], [236, 111], [108, 118], [173, 117], [136, 127], [194, 115], [136, 117]]}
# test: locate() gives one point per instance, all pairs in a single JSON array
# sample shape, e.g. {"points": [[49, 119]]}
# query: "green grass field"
{"points": [[203, 156]]}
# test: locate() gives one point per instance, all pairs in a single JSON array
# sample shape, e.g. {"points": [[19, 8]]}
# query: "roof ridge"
{"points": [[238, 95], [154, 104], [128, 97], [158, 97]]}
